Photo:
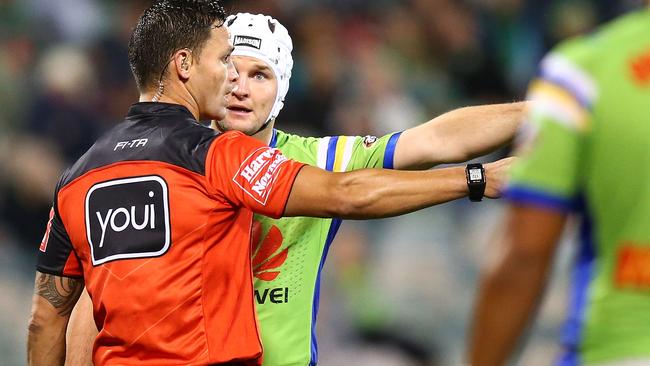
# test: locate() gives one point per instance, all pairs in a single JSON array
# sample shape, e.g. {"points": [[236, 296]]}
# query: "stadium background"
{"points": [[396, 291]]}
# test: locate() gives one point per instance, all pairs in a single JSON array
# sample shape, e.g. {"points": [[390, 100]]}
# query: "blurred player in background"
{"points": [[289, 253], [587, 149], [155, 219]]}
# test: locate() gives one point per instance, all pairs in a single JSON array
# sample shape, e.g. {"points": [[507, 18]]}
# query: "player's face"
{"points": [[251, 101], [214, 76]]}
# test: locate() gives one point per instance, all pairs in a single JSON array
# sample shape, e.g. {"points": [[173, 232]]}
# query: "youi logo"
{"points": [[128, 218]]}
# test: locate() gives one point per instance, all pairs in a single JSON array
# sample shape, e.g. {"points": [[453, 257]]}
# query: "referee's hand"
{"points": [[496, 174]]}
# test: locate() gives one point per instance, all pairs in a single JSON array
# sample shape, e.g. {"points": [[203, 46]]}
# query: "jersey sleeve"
{"points": [[56, 255], [551, 141], [249, 174], [347, 153]]}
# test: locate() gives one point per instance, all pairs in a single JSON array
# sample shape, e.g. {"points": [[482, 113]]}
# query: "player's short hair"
{"points": [[166, 27]]}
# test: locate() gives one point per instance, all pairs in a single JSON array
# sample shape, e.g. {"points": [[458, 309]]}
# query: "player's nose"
{"points": [[241, 87]]}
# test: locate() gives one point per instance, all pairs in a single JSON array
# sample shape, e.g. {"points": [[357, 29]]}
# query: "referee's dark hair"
{"points": [[166, 27]]}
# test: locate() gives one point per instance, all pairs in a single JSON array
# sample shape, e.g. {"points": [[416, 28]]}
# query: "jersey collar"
{"points": [[141, 108]]}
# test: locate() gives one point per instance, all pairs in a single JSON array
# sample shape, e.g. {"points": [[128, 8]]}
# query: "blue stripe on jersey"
{"points": [[334, 228], [568, 359], [538, 198], [566, 85], [389, 154], [583, 272], [274, 139], [331, 153]]}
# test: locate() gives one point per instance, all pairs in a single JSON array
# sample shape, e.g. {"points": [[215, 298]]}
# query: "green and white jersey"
{"points": [[586, 146], [289, 253]]}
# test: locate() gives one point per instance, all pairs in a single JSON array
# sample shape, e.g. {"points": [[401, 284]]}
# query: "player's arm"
{"points": [[373, 193], [543, 189], [511, 289], [53, 300], [459, 135], [81, 333]]}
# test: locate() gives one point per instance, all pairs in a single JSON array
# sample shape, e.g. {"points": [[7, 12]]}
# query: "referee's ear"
{"points": [[182, 63]]}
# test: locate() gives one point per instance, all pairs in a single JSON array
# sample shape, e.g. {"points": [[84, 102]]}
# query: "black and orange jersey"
{"points": [[156, 217]]}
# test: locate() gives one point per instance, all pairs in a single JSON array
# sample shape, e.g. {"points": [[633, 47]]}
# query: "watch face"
{"points": [[475, 174]]}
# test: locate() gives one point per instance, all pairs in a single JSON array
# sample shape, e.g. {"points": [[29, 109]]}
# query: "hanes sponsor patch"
{"points": [[258, 173]]}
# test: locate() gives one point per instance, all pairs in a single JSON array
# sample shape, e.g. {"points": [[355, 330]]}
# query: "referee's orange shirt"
{"points": [[156, 217]]}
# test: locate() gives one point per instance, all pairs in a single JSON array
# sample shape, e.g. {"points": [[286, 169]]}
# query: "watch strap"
{"points": [[476, 186]]}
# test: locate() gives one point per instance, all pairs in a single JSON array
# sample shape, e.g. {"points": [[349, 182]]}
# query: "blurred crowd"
{"points": [[399, 290]]}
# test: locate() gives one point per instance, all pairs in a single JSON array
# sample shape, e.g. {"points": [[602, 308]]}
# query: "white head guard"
{"points": [[262, 37]]}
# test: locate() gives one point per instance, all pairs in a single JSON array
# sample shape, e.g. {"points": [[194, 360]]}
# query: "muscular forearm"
{"points": [[507, 299], [374, 193], [371, 193], [511, 290], [391, 193], [52, 303], [487, 128], [45, 342], [459, 135], [81, 333]]}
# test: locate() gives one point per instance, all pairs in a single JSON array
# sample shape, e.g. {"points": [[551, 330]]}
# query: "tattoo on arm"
{"points": [[61, 292]]}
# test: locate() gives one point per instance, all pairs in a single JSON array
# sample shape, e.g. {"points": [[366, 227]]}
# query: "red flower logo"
{"points": [[265, 261]]}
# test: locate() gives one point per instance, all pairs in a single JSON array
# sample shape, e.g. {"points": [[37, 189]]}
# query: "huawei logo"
{"points": [[266, 261]]}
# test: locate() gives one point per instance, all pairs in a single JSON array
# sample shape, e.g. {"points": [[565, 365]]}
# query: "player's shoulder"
{"points": [[632, 28], [593, 48], [296, 147], [284, 138]]}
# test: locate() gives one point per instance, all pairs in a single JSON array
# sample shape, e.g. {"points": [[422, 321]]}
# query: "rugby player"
{"points": [[155, 219], [587, 152], [289, 253]]}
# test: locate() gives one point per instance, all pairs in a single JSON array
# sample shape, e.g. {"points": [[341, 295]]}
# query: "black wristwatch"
{"points": [[475, 181]]}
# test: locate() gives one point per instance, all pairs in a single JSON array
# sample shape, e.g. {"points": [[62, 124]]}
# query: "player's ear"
{"points": [[182, 62]]}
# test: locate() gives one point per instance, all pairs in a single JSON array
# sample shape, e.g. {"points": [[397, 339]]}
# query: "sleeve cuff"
{"points": [[389, 154], [538, 198]]}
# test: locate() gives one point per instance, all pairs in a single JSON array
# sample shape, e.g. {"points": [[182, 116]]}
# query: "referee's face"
{"points": [[250, 103], [213, 76]]}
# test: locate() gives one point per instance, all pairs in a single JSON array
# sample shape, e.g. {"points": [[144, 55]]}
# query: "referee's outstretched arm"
{"points": [[375, 193]]}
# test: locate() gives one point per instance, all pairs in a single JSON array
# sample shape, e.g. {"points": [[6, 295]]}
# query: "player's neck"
{"points": [[266, 134]]}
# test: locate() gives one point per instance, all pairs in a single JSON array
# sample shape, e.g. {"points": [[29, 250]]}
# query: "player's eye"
{"points": [[226, 59], [259, 76]]}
